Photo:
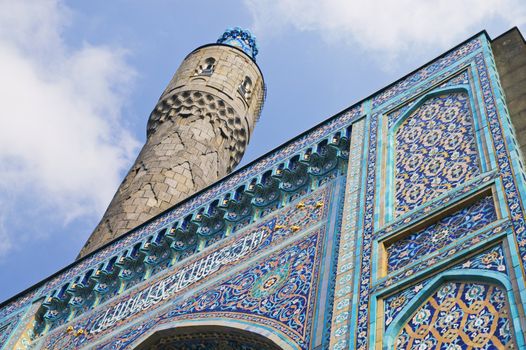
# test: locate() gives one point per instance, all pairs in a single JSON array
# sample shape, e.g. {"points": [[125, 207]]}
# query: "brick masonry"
{"points": [[196, 135]]}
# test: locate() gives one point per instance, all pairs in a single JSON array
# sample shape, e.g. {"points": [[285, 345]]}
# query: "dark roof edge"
{"points": [[40, 283], [509, 31]]}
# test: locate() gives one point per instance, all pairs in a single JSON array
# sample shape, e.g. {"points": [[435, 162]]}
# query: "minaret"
{"points": [[196, 134]]}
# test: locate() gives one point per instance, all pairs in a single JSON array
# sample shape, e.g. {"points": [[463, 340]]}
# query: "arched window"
{"points": [[245, 89], [207, 67]]}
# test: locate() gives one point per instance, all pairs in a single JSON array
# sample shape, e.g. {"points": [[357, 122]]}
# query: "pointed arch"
{"points": [[466, 277], [235, 330]]}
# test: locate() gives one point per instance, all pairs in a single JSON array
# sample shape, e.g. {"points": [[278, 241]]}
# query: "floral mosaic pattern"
{"points": [[276, 292], [444, 255], [435, 151], [278, 289], [491, 260], [458, 193], [460, 316], [438, 235]]}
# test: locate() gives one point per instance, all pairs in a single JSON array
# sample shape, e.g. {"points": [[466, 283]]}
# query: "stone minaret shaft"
{"points": [[196, 134]]}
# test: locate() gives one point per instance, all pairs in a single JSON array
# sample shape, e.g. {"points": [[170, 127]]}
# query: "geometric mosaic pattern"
{"points": [[435, 151], [460, 316], [438, 235], [491, 260]]}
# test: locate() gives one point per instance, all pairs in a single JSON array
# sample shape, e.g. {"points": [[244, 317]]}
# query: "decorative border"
{"points": [[426, 72], [343, 282], [437, 204]]}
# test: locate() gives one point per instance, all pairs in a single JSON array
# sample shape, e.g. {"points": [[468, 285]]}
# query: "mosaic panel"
{"points": [[491, 260], [409, 249], [361, 334], [435, 151], [460, 316], [481, 181], [276, 292], [443, 255]]}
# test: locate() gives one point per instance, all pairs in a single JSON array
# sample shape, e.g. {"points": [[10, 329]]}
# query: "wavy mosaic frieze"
{"points": [[438, 235], [435, 150], [460, 315], [295, 175]]}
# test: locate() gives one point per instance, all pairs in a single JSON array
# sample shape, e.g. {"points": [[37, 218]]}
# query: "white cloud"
{"points": [[386, 27], [62, 144]]}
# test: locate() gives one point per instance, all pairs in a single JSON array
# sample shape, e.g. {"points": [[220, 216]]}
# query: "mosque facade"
{"points": [[398, 223]]}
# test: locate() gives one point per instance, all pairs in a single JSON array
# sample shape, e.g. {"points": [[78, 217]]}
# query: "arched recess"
{"points": [[434, 147], [236, 334], [478, 311]]}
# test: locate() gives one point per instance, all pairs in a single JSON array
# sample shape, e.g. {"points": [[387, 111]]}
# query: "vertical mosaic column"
{"points": [[343, 289], [21, 339]]}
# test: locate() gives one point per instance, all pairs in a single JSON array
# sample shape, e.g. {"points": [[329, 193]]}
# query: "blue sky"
{"points": [[80, 78]]}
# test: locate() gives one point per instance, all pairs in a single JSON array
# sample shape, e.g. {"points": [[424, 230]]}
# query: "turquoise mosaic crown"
{"points": [[240, 38]]}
